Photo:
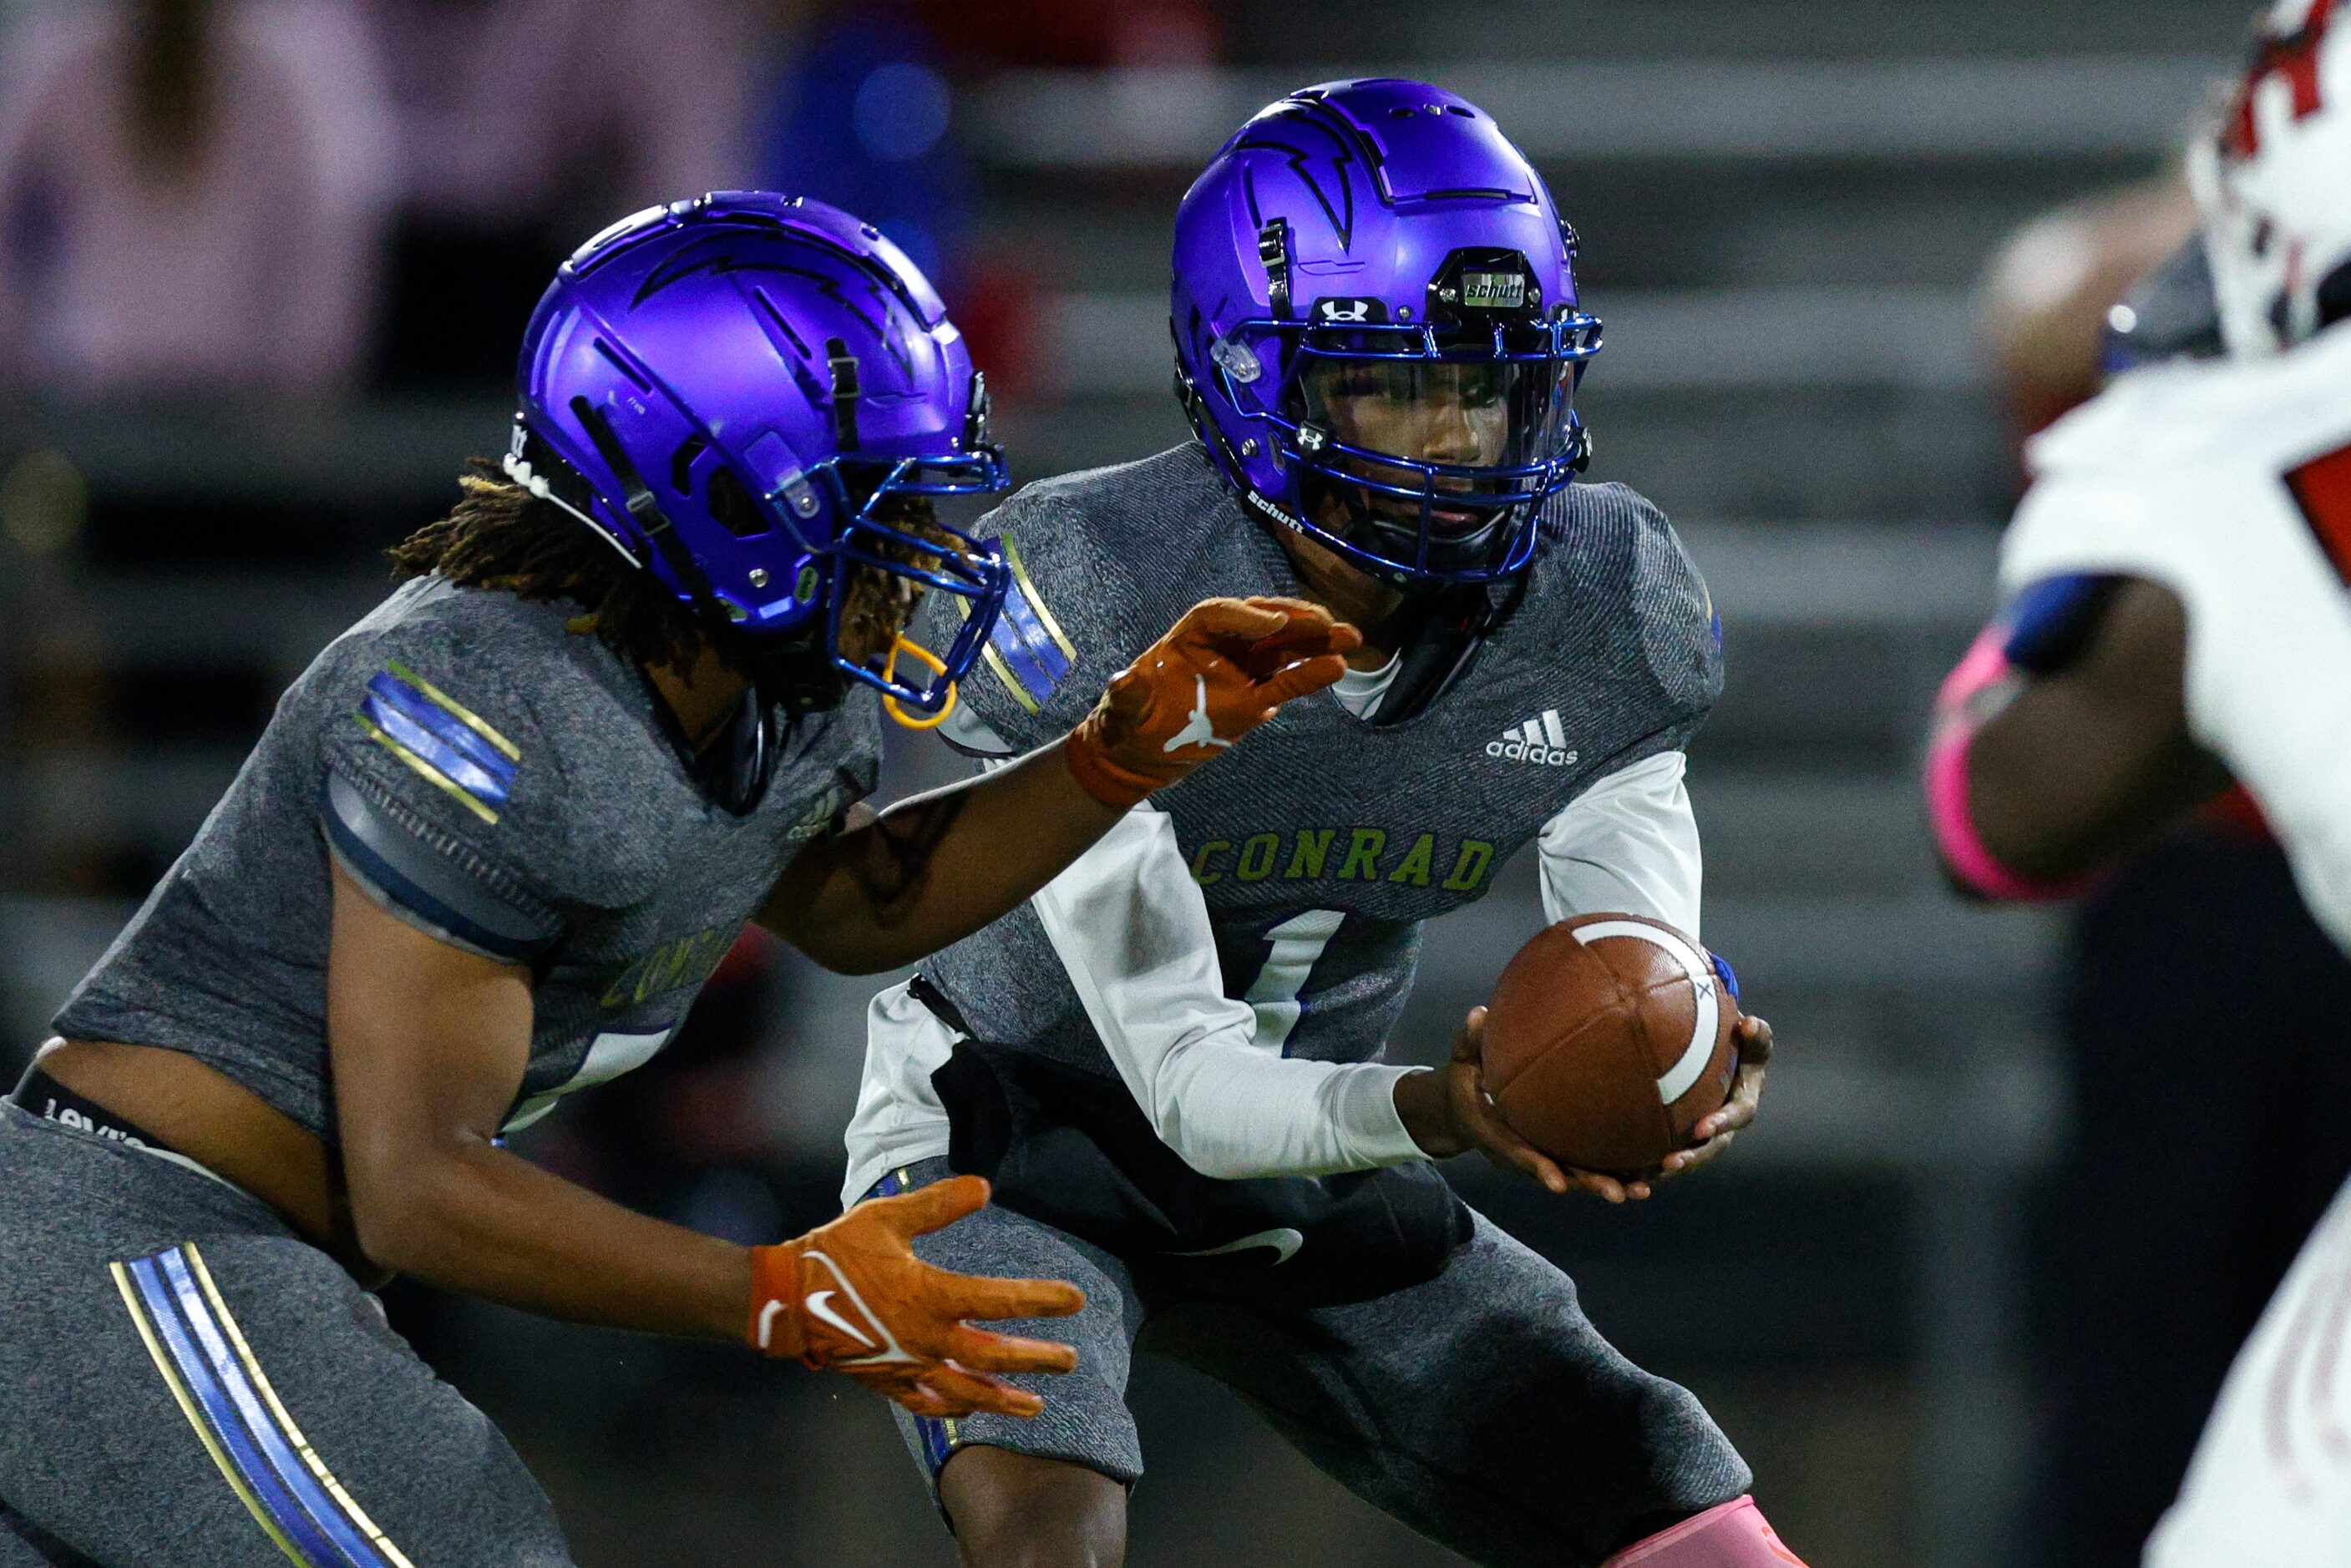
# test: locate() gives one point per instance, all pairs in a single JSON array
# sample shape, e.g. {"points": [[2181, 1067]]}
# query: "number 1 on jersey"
{"points": [[1298, 944]]}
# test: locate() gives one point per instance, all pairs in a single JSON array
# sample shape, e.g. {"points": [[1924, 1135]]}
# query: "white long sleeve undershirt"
{"points": [[1132, 930], [1626, 846]]}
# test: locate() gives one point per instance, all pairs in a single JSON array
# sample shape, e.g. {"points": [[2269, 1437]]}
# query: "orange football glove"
{"points": [[1223, 670], [852, 1296]]}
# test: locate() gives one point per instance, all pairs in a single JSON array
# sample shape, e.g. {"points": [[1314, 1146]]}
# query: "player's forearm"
{"points": [[1133, 933], [1237, 1113], [2035, 779], [933, 870], [475, 1219], [2041, 819]]}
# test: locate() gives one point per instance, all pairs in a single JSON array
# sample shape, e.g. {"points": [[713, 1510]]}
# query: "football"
{"points": [[1608, 1038]]}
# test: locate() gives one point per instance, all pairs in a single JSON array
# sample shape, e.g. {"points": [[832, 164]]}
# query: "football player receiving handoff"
{"points": [[1168, 1061], [2176, 615], [486, 852]]}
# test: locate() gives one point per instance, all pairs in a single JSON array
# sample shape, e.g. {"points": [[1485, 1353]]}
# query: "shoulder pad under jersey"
{"points": [[1607, 548], [478, 724]]}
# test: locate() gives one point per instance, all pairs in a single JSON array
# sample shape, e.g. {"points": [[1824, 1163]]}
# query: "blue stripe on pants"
{"points": [[352, 1545], [219, 1413]]}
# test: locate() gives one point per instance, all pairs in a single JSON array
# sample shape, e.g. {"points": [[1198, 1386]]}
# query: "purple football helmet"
{"points": [[726, 388], [1378, 334]]}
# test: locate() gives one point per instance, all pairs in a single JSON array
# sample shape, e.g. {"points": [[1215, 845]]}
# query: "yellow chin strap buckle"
{"points": [[890, 703]]}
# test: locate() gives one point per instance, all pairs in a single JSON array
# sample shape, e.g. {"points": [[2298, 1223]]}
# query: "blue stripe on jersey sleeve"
{"points": [[1035, 635], [939, 1443], [452, 730], [411, 876], [428, 742], [1019, 654]]}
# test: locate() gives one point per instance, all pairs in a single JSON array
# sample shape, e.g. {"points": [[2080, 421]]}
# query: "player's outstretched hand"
{"points": [[851, 1295], [1223, 670], [1713, 1134]]}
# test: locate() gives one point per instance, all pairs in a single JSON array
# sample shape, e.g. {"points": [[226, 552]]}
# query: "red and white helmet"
{"points": [[2274, 178]]}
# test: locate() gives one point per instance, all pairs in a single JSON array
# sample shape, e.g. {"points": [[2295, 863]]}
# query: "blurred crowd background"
{"points": [[2021, 1178]]}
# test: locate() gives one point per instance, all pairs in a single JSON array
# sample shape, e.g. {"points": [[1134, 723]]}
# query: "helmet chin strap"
{"points": [[646, 511]]}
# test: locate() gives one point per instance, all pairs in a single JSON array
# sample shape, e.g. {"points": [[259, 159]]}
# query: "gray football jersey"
{"points": [[1322, 842], [500, 781]]}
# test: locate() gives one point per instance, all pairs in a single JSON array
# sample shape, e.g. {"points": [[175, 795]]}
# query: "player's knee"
{"points": [[1014, 1510]]}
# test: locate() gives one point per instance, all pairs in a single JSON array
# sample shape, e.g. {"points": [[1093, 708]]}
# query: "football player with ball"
{"points": [[1168, 1060]]}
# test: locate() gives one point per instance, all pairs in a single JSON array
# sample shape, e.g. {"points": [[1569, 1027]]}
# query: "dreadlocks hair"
{"points": [[501, 536]]}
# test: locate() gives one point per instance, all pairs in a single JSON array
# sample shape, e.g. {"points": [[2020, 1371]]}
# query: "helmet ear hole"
{"points": [[732, 507], [681, 463]]}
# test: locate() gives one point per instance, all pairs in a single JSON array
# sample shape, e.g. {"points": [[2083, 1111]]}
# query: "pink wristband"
{"points": [[1963, 848]]}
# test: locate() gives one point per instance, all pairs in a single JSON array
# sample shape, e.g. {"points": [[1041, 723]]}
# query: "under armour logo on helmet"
{"points": [[1350, 312]]}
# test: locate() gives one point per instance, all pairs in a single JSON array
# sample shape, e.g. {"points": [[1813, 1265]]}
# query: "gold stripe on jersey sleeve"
{"points": [[463, 714], [1019, 693], [1036, 601], [425, 769]]}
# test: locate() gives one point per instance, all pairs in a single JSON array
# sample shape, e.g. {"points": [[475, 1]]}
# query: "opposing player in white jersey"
{"points": [[2178, 613]]}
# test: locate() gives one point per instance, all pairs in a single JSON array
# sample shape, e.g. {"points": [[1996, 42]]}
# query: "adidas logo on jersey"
{"points": [[1539, 740]]}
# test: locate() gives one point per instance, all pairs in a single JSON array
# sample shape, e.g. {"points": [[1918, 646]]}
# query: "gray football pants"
{"points": [[185, 1382], [1481, 1408]]}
